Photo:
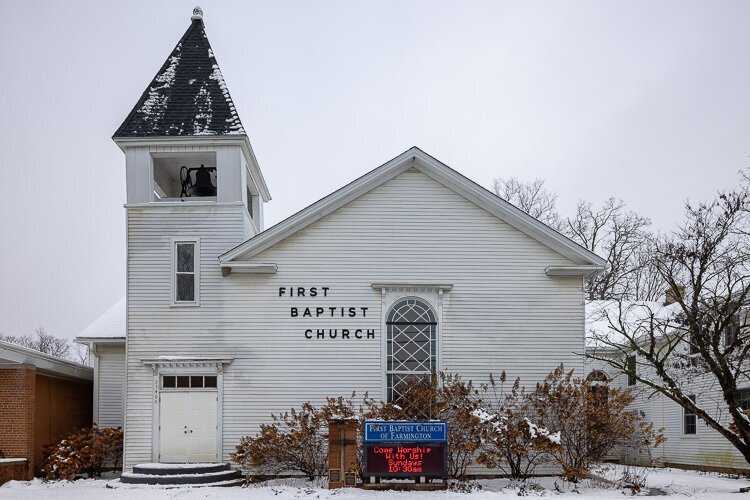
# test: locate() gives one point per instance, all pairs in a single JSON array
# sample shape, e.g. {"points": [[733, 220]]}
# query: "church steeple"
{"points": [[188, 95]]}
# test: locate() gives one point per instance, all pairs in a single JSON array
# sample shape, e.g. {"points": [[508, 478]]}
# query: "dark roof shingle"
{"points": [[187, 96]]}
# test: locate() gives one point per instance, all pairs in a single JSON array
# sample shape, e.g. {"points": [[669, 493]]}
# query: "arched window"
{"points": [[411, 343], [598, 385]]}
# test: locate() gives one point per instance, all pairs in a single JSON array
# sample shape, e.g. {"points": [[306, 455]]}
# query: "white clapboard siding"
{"points": [[503, 313], [110, 385], [706, 448]]}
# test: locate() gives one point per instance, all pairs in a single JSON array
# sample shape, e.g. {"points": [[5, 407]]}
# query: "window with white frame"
{"points": [[185, 265], [691, 420], [411, 344]]}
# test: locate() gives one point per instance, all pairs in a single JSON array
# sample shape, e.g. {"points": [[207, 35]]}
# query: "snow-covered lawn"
{"points": [[675, 483]]}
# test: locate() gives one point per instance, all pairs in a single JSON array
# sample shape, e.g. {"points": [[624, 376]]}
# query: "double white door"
{"points": [[187, 426]]}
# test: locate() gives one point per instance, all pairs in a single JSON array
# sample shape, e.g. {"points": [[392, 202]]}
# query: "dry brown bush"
{"points": [[89, 451], [592, 421]]}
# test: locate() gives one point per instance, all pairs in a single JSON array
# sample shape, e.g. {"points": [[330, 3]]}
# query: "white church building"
{"points": [[408, 269]]}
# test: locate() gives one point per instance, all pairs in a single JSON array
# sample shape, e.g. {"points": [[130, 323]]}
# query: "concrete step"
{"points": [[182, 474], [170, 469], [116, 483]]}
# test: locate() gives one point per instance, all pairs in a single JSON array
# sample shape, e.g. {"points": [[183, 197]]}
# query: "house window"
{"points": [[694, 349], [186, 272], [630, 369], [598, 387], [411, 344], [733, 327], [743, 398], [691, 421]]}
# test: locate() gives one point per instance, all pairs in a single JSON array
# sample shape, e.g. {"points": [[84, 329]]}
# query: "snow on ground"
{"points": [[675, 483]]}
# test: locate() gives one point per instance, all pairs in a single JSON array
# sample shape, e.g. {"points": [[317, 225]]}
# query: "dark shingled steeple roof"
{"points": [[187, 97]]}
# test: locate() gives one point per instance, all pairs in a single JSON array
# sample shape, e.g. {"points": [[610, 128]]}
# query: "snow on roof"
{"points": [[111, 324], [188, 95], [606, 319]]}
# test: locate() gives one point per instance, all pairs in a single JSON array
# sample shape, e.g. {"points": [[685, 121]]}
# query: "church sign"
{"points": [[396, 449], [319, 312]]}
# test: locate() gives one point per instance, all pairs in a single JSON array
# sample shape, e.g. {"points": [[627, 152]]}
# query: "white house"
{"points": [[690, 443], [407, 269]]}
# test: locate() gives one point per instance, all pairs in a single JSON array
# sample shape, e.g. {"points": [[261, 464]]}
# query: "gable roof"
{"points": [[586, 262], [607, 319], [110, 325], [187, 97]]}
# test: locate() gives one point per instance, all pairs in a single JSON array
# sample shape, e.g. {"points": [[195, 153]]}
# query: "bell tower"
{"points": [[184, 143], [194, 187], [194, 191]]}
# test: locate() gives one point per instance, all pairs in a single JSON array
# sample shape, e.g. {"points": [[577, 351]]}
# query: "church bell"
{"points": [[202, 186]]}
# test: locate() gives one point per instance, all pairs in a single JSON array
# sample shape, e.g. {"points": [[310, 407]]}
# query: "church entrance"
{"points": [[187, 419]]}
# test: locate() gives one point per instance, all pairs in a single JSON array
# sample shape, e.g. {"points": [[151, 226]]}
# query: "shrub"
{"points": [[297, 441], [591, 421], [89, 452], [511, 440], [293, 442]]}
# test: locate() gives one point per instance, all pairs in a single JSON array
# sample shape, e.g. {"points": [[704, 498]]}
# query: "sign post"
{"points": [[399, 449]]}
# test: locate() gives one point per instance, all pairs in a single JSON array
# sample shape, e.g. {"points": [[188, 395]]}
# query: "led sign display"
{"points": [[405, 449]]}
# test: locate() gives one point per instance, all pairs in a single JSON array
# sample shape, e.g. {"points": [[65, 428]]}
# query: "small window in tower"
{"points": [[184, 177], [250, 203], [186, 273]]}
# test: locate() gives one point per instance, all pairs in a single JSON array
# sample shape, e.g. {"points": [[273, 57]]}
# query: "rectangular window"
{"points": [[186, 273], [743, 398], [630, 369], [188, 381], [691, 421], [732, 330], [693, 345]]}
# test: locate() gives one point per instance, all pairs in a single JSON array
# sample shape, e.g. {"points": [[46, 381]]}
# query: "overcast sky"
{"points": [[645, 101]]}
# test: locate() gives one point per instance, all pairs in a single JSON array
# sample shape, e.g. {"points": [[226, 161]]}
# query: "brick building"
{"points": [[41, 399]]}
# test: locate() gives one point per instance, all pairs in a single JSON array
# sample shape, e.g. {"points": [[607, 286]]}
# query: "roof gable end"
{"points": [[418, 159]]}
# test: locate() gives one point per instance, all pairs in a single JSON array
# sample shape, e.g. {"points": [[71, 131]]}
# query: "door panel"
{"points": [[202, 427], [174, 422], [188, 430]]}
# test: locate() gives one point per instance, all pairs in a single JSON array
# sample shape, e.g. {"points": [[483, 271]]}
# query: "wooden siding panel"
{"points": [[111, 385]]}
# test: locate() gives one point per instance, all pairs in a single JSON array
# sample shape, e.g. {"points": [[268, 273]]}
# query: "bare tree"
{"points": [[42, 342], [531, 197], [646, 284], [702, 340], [80, 354], [617, 235]]}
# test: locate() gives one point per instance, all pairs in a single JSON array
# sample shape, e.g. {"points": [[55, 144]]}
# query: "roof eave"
{"points": [[574, 270], [44, 363], [99, 340]]}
